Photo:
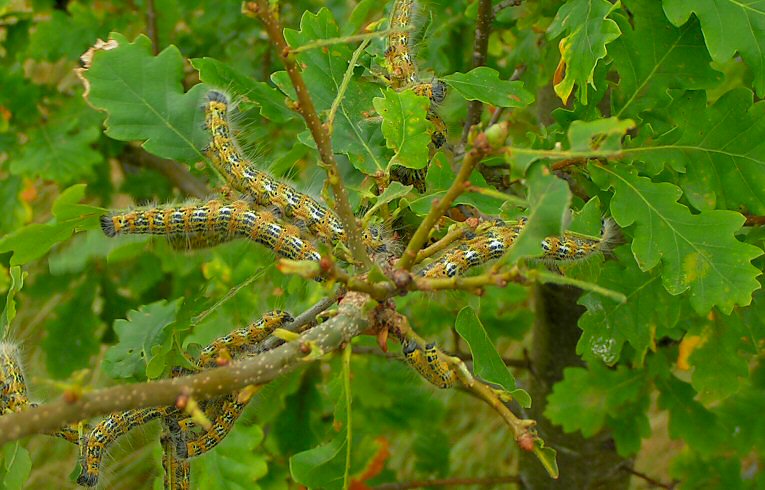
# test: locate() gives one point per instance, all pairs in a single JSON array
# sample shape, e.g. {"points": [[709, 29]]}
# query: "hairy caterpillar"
{"points": [[401, 67], [237, 340], [177, 470], [261, 187], [496, 241], [107, 431], [13, 396], [232, 219], [429, 364], [223, 422]]}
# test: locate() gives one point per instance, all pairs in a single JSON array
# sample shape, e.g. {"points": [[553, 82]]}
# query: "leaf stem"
{"points": [[344, 86]]}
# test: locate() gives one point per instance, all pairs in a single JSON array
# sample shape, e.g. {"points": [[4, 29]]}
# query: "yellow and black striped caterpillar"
{"points": [[429, 364], [177, 470], [497, 240], [224, 414], [215, 217]]}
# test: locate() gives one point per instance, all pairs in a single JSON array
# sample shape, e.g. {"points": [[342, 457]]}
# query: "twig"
{"points": [[344, 85], [449, 482], [173, 171], [459, 231], [319, 43], [420, 236], [754, 220], [305, 318], [505, 4], [350, 321], [480, 48], [307, 110], [473, 284], [649, 480], [151, 26]]}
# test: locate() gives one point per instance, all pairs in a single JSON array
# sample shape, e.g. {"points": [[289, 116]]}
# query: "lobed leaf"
{"points": [[144, 99], [234, 463], [729, 28], [405, 127], [587, 30], [483, 84], [698, 252]]}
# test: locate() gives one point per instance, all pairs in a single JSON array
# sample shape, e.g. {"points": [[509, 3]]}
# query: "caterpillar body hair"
{"points": [[398, 55], [107, 431], [261, 187], [434, 90], [177, 470], [13, 389], [237, 340], [496, 241], [428, 364], [197, 241], [235, 219]]}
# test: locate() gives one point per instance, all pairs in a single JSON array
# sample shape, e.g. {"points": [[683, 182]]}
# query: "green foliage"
{"points": [[661, 130]]}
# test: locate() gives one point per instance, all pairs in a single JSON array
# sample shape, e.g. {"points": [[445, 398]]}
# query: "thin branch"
{"points": [[320, 43], [344, 85], [307, 110], [651, 481], [173, 171], [754, 220], [450, 482], [151, 25], [458, 232], [505, 4], [302, 320], [420, 236], [480, 48], [350, 322]]}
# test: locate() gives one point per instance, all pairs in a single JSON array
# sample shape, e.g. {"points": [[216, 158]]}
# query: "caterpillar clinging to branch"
{"points": [[497, 240], [429, 364]]}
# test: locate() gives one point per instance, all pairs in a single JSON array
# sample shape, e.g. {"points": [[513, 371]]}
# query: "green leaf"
{"points": [[487, 362], [607, 324], [721, 148], [549, 199], [729, 28], [585, 397], [697, 251], [440, 178], [16, 468], [59, 150], [9, 312], [232, 464], [548, 457], [144, 99], [405, 127], [655, 56], [323, 72], [33, 241], [145, 338], [394, 191], [483, 83], [72, 337], [218, 74], [587, 31], [327, 465]]}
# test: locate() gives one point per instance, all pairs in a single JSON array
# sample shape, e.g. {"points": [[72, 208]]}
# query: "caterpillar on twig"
{"points": [[429, 364]]}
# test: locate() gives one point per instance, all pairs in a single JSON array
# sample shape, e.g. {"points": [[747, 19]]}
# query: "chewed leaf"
{"points": [[405, 127], [483, 83], [144, 98]]}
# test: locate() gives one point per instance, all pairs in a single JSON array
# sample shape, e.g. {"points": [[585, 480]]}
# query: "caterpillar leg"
{"points": [[107, 431]]}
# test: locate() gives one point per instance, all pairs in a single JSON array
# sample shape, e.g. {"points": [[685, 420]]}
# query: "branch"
{"points": [[173, 171], [350, 322], [151, 25], [307, 110], [472, 158], [505, 4], [480, 47], [448, 482], [651, 481]]}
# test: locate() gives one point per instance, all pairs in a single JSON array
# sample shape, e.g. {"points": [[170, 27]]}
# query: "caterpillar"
{"points": [[229, 218], [496, 241], [13, 396], [238, 339], [177, 470], [429, 364], [435, 90], [261, 187], [223, 422], [401, 67], [93, 445]]}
